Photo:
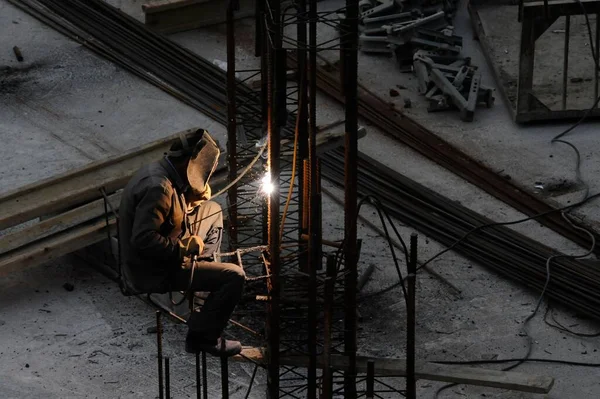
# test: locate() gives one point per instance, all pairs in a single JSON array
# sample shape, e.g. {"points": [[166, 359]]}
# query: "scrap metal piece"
{"points": [[467, 114], [454, 95], [385, 6]]}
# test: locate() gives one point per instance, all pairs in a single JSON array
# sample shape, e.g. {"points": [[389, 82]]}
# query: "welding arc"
{"points": [[201, 84]]}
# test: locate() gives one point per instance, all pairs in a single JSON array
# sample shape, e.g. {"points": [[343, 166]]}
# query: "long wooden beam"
{"points": [[79, 186], [424, 371]]}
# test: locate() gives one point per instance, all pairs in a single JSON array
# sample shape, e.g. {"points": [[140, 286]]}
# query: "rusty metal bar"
{"points": [[273, 319], [159, 352], [231, 123], [350, 201], [370, 394], [167, 378], [327, 384], [314, 243], [411, 383], [198, 384], [224, 377], [597, 60], [566, 60], [204, 376]]}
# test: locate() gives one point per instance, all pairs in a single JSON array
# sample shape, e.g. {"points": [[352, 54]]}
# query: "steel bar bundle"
{"points": [[499, 248], [426, 143]]}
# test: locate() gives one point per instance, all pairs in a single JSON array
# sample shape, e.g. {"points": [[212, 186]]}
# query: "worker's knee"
{"points": [[236, 274]]}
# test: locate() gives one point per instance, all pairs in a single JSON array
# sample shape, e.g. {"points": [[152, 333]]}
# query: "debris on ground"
{"points": [[422, 41]]}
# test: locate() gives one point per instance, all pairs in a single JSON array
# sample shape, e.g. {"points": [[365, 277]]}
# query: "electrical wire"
{"points": [[381, 211], [244, 172]]}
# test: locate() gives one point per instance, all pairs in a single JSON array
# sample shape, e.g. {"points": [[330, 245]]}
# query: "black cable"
{"points": [[381, 211], [475, 229], [560, 327]]}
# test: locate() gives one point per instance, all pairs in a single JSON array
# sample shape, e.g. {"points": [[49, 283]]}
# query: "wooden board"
{"points": [[56, 224], [82, 185], [55, 246], [424, 370], [170, 16]]}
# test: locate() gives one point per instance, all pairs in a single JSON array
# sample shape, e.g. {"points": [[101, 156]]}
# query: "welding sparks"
{"points": [[267, 186]]}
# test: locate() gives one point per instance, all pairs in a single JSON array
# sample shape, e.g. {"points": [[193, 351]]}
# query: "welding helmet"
{"points": [[203, 162], [204, 157]]}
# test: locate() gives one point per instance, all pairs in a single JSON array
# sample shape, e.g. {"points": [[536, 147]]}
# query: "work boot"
{"points": [[220, 347]]}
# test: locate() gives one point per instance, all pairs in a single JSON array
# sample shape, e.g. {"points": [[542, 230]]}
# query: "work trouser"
{"points": [[224, 281]]}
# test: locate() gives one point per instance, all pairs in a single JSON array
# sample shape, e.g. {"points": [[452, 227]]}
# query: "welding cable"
{"points": [[244, 172], [374, 201], [560, 327]]}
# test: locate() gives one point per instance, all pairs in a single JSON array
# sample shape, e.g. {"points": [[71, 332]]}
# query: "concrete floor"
{"points": [[92, 342]]}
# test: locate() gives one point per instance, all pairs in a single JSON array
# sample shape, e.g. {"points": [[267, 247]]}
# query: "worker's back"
{"points": [[151, 219]]}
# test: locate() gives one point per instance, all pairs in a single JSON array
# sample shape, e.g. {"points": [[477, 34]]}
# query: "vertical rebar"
{"points": [[411, 387], [314, 244], [198, 383], [370, 394], [167, 378], [273, 319], [224, 377], [159, 354], [204, 377], [231, 123], [597, 60], [566, 60], [350, 183], [327, 389], [302, 125]]}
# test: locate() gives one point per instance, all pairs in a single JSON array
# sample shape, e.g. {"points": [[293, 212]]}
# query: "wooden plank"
{"points": [[54, 246], [56, 224], [424, 371], [163, 5], [186, 15], [82, 185]]}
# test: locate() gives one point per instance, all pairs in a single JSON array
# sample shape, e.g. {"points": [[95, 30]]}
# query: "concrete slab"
{"points": [[63, 123]]}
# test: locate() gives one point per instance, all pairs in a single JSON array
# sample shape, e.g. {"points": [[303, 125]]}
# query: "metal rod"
{"points": [[327, 388], [159, 353], [350, 74], [566, 60], [231, 123], [273, 316], [224, 377], [597, 61], [370, 394], [167, 378], [204, 376], [314, 242], [411, 383], [198, 383]]}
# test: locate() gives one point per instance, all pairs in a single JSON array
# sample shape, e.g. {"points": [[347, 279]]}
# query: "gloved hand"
{"points": [[195, 201], [190, 246]]}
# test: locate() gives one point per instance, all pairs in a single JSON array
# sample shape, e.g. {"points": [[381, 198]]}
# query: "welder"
{"points": [[169, 229]]}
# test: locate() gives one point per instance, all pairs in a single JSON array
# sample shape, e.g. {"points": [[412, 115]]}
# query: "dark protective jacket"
{"points": [[152, 221]]}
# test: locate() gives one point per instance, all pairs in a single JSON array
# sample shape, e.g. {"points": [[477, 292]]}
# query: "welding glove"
{"points": [[190, 246]]}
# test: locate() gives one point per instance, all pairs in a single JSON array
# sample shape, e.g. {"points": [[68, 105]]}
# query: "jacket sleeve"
{"points": [[150, 214]]}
